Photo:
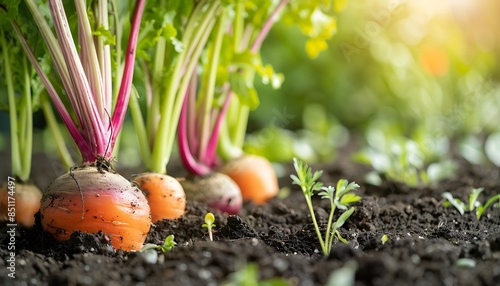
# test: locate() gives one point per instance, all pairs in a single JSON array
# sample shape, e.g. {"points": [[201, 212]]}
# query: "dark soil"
{"points": [[426, 241]]}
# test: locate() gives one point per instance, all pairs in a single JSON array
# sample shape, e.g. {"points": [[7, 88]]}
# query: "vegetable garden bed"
{"points": [[427, 243]]}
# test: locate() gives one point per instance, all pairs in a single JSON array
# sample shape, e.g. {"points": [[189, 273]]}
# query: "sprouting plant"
{"points": [[474, 203], [167, 245], [384, 238], [209, 223], [417, 160], [339, 197]]}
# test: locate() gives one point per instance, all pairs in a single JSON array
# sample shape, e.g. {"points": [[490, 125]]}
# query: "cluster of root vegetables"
{"points": [[92, 199]]}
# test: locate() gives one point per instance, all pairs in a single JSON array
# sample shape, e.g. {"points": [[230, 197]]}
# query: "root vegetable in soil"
{"points": [[165, 195], [426, 241]]}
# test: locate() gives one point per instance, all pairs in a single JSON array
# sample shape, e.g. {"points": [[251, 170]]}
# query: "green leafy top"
{"points": [[209, 220], [305, 178], [167, 245], [339, 198]]}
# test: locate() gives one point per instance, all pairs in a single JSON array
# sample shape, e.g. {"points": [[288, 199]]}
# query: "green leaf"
{"points": [[209, 220], [384, 238], [343, 240], [242, 85], [343, 187], [109, 38], [327, 192], [169, 244], [459, 205], [481, 209], [349, 199], [343, 218], [9, 10], [473, 197]]}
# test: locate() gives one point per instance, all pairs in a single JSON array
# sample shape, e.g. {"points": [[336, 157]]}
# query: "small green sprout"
{"points": [[166, 246], [474, 203], [339, 197], [209, 223], [384, 238]]}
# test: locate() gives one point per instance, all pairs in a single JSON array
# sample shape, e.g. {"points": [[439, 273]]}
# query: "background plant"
{"points": [[473, 204]]}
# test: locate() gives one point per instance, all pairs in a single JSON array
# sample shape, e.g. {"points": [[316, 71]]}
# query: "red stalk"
{"points": [[94, 131], [210, 155], [189, 161], [267, 27], [66, 118], [128, 71]]}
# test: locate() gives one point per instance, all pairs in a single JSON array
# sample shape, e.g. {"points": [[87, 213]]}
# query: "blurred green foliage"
{"points": [[421, 76], [419, 66]]}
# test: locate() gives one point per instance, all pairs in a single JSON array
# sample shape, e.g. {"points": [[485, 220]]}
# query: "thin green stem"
{"points": [[207, 94], [316, 227], [156, 84], [26, 132], [174, 95], [225, 148], [135, 111], [238, 134], [50, 118], [238, 26], [329, 235], [14, 138], [186, 80]]}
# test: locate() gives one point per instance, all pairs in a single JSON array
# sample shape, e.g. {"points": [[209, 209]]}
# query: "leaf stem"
{"points": [[128, 72], [139, 126], [315, 223], [207, 95], [194, 39], [26, 130], [267, 27], [48, 113], [14, 137], [66, 118]]}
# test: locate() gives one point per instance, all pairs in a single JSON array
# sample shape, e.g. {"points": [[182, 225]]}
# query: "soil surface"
{"points": [[428, 244]]}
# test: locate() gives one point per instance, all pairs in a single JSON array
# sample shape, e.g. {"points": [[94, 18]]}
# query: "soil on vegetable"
{"points": [[428, 244]]}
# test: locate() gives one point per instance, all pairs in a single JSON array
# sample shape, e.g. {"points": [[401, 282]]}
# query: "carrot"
{"points": [[217, 190], [255, 176], [25, 203], [165, 195], [92, 200]]}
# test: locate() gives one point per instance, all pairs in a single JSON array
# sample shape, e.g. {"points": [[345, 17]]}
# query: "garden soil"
{"points": [[428, 244]]}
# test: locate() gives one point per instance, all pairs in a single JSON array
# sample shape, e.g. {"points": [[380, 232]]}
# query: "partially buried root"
{"points": [[113, 205], [217, 190]]}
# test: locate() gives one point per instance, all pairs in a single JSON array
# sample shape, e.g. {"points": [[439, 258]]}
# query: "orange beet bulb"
{"points": [[255, 176], [24, 203], [88, 200], [165, 195]]}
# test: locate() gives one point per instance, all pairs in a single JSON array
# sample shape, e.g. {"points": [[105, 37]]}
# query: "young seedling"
{"points": [[339, 197], [409, 160], [167, 245], [384, 238], [209, 223], [474, 203]]}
